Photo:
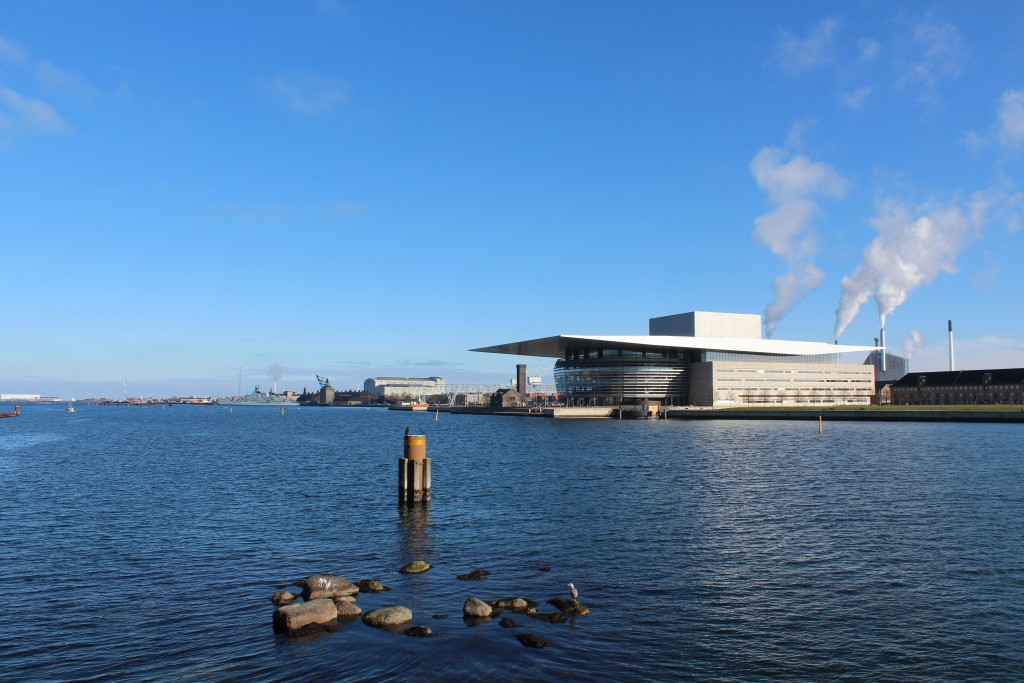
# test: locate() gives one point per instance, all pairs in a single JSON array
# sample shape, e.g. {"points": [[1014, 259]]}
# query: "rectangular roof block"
{"points": [[707, 324]]}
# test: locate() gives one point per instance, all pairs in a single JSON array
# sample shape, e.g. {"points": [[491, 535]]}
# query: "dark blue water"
{"points": [[143, 544]]}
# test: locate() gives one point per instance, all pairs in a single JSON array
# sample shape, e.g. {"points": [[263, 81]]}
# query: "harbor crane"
{"points": [[323, 381]]}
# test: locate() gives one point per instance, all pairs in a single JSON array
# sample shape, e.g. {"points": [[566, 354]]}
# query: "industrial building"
{"points": [[700, 359], [404, 388], [892, 369]]}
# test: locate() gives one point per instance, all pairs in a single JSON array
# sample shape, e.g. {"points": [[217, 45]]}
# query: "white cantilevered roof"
{"points": [[555, 347]]}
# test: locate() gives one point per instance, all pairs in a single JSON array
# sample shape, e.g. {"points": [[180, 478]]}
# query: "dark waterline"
{"points": [[142, 544]]}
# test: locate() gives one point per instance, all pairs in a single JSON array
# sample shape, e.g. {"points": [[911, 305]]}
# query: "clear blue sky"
{"points": [[368, 188]]}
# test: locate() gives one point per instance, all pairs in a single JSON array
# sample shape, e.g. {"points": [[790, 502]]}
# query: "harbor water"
{"points": [[143, 544]]}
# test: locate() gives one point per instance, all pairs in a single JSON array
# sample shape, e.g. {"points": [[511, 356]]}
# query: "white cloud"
{"points": [[11, 52], [307, 93], [25, 114], [854, 99], [793, 183], [974, 141], [937, 53], [869, 49], [51, 76], [794, 55], [1010, 115], [785, 179], [797, 132]]}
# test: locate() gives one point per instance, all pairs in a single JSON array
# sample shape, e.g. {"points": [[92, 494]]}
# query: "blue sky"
{"points": [[367, 188]]}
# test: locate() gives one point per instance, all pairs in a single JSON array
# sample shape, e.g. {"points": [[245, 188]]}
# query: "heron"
{"points": [[573, 592]]}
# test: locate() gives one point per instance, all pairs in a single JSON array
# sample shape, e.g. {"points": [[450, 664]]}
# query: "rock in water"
{"points": [[396, 615], [508, 622], [418, 631], [299, 615], [570, 606], [530, 640], [327, 586], [550, 617], [474, 607], [514, 604], [417, 567], [368, 586], [475, 575], [280, 597], [347, 610]]}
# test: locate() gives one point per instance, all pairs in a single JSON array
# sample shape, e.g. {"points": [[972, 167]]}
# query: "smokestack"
{"points": [[882, 337], [521, 379], [952, 365]]}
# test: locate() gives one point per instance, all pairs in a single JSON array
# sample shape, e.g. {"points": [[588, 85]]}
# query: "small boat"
{"points": [[70, 408]]}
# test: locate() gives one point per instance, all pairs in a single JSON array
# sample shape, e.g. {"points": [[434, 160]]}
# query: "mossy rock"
{"points": [[417, 567], [570, 606], [370, 586], [516, 604], [282, 598]]}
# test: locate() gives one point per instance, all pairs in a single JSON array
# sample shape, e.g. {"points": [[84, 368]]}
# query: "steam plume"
{"points": [[912, 344], [792, 184], [276, 372], [910, 250]]}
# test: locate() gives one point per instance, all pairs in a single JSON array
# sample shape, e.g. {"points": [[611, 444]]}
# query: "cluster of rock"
{"points": [[477, 612], [327, 599]]}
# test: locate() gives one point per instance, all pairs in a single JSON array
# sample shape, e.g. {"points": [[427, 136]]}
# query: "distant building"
{"points": [[507, 398], [700, 359], [403, 388], [960, 387], [20, 397]]}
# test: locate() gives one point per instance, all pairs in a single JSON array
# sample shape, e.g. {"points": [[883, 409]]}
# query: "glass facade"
{"points": [[624, 376]]}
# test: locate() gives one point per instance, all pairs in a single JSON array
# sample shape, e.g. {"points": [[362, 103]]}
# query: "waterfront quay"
{"points": [[1006, 414]]}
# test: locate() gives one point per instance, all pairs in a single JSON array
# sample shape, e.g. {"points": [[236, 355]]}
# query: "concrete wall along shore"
{"points": [[936, 415]]}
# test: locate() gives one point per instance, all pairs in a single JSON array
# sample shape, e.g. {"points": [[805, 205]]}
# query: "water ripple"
{"points": [[143, 545]]}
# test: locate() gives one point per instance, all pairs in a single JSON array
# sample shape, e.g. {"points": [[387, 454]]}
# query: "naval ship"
{"points": [[258, 398]]}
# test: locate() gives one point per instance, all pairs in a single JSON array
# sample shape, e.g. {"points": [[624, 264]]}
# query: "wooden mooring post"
{"points": [[414, 471]]}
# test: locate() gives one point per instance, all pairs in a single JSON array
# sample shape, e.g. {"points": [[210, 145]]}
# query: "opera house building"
{"points": [[700, 359]]}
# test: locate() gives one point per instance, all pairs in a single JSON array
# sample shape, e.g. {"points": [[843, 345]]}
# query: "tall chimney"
{"points": [[521, 379], [952, 365], [882, 337]]}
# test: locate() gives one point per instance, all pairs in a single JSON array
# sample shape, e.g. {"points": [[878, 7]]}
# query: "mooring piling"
{"points": [[414, 471]]}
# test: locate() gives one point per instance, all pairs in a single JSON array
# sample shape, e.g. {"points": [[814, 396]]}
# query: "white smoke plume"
{"points": [[912, 248], [276, 371], [913, 343], [792, 183]]}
